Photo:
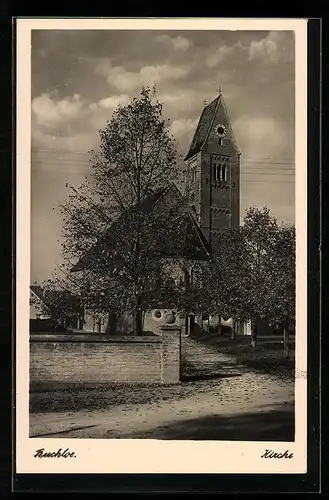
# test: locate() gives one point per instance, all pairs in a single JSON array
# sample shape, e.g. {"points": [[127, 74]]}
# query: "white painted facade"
{"points": [[36, 307]]}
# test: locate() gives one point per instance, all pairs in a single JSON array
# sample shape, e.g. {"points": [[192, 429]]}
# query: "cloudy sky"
{"points": [[79, 77]]}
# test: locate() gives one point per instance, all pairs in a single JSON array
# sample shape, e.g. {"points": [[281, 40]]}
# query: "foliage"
{"points": [[62, 306], [109, 224], [252, 273]]}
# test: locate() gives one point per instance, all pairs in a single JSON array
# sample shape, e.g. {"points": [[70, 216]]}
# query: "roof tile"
{"points": [[202, 129]]}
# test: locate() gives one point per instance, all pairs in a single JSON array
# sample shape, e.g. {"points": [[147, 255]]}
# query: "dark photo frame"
{"points": [[214, 481]]}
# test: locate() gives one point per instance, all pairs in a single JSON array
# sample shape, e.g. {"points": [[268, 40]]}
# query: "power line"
{"points": [[267, 159], [243, 181], [83, 171], [81, 163], [262, 174], [85, 160], [58, 150], [78, 151]]}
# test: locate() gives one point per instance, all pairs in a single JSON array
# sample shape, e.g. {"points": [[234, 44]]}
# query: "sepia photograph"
{"points": [[162, 253]]}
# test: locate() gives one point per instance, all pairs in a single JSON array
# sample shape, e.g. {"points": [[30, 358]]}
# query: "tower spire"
{"points": [[219, 90]]}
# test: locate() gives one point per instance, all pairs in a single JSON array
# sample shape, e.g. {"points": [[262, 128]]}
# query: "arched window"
{"points": [[214, 172], [218, 171], [224, 173]]}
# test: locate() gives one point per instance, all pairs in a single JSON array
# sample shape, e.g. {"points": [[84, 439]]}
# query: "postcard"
{"points": [[161, 246]]}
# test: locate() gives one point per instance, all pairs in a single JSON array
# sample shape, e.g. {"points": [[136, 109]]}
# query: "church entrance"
{"points": [[189, 324], [192, 326]]}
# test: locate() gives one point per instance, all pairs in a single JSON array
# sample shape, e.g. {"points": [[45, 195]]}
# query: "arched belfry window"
{"points": [[220, 168], [214, 172], [218, 172], [224, 173]]}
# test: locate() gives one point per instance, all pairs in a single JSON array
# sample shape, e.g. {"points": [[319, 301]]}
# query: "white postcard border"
{"points": [[152, 456]]}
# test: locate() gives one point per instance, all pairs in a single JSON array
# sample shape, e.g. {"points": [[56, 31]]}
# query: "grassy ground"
{"points": [[268, 357]]}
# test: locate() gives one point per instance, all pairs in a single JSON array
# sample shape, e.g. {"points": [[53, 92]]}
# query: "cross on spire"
{"points": [[219, 90]]}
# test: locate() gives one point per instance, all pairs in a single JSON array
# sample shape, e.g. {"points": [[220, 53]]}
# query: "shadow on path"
{"points": [[274, 425], [207, 376], [65, 431]]}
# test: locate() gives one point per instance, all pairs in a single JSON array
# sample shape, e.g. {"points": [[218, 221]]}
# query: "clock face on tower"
{"points": [[220, 131]]}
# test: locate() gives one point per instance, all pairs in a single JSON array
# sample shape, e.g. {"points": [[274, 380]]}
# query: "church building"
{"points": [[211, 204]]}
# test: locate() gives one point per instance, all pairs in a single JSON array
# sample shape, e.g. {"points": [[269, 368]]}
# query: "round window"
{"points": [[157, 314], [220, 131]]}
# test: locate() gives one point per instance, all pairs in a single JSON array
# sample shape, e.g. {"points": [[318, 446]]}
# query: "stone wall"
{"points": [[64, 360]]}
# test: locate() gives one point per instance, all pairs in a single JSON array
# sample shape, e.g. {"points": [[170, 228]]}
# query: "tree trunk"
{"points": [[137, 312], [138, 315], [192, 324], [233, 330], [220, 328], [112, 323], [187, 331], [254, 332], [286, 338]]}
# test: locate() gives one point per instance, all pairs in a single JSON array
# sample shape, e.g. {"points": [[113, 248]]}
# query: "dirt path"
{"points": [[247, 406]]}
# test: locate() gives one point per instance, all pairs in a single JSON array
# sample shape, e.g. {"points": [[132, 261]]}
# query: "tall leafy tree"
{"points": [[252, 273], [113, 238]]}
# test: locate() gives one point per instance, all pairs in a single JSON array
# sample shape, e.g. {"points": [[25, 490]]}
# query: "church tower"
{"points": [[213, 171]]}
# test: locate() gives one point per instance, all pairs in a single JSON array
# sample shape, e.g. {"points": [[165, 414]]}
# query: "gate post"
{"points": [[170, 354]]}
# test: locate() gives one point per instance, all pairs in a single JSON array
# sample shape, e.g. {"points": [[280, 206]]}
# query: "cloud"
{"points": [[260, 137], [72, 113], [264, 47], [102, 66], [276, 46], [111, 102], [179, 100], [53, 141], [70, 122], [219, 55], [48, 111], [148, 75], [183, 131], [178, 43]]}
